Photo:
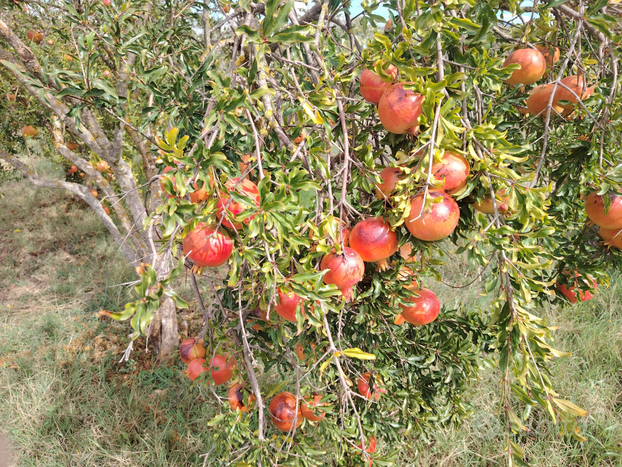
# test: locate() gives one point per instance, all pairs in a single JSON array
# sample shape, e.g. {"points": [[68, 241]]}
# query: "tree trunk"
{"points": [[164, 335]]}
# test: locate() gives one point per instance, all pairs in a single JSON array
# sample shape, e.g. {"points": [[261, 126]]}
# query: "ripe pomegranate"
{"points": [[453, 170], [206, 249], [286, 304], [236, 399], [30, 35], [486, 206], [93, 193], [551, 54], [191, 349], [68, 57], [423, 309], [11, 97], [284, 411], [532, 66], [50, 42], [300, 351], [107, 2], [437, 221], [595, 209], [244, 164], [570, 292], [309, 408], [72, 146], [373, 86], [29, 131], [388, 25], [221, 367], [195, 368], [107, 210], [580, 88], [73, 169], [102, 167], [399, 320], [390, 176], [539, 98], [612, 237], [301, 138], [344, 270], [107, 73], [196, 197], [373, 393], [399, 109], [38, 38], [247, 188], [374, 241]]}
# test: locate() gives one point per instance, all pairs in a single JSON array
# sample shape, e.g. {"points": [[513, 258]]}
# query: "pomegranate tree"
{"points": [[374, 241], [373, 86], [344, 270], [399, 109], [206, 247], [435, 220]]}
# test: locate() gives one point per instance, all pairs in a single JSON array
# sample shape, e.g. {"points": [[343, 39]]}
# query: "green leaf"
{"points": [[276, 16], [555, 3], [251, 34], [293, 35]]}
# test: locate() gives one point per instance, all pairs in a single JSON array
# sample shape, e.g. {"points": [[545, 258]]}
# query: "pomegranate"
{"points": [[73, 169], [344, 270], [300, 351], [30, 35], [195, 368], [72, 146], [399, 109], [551, 54], [580, 88], [191, 349], [30, 131], [107, 2], [286, 305], [107, 73], [390, 176], [374, 241], [102, 167], [612, 237], [309, 408], [570, 292], [595, 209], [539, 98], [388, 25], [236, 399], [196, 197], [284, 411], [300, 138], [206, 248], [93, 193], [532, 66], [486, 206], [437, 221], [453, 170], [373, 86], [373, 393], [221, 367], [247, 188], [399, 320], [38, 38], [371, 445], [423, 308], [50, 42], [11, 97]]}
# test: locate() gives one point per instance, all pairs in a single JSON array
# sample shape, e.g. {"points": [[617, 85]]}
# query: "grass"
{"points": [[66, 401]]}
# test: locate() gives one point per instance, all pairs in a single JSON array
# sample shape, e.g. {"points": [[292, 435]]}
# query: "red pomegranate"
{"points": [[399, 109], [195, 368], [72, 146], [578, 86], [612, 237], [373, 393], [247, 188], [196, 197], [570, 292], [486, 206], [453, 170], [344, 270], [191, 349], [373, 86], [284, 412], [206, 248], [398, 320], [73, 169], [374, 241], [435, 222], [29, 130], [221, 367], [236, 398], [532, 66], [102, 166], [371, 445], [286, 304], [539, 98], [595, 209], [423, 308], [309, 408], [390, 176], [551, 54]]}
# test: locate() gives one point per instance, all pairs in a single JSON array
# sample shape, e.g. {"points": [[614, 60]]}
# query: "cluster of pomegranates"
{"points": [[221, 366]]}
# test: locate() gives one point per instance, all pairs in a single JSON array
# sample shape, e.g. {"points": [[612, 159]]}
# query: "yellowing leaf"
{"points": [[358, 353], [570, 408]]}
